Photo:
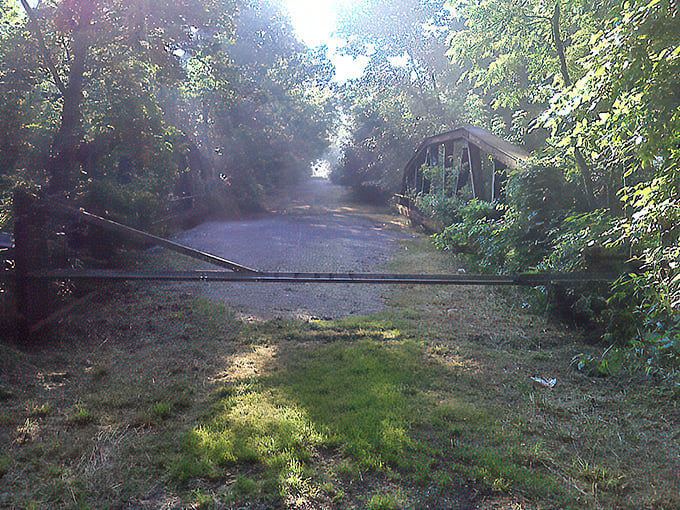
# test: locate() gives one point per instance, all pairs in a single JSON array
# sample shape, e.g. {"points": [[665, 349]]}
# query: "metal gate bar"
{"points": [[114, 226], [523, 279]]}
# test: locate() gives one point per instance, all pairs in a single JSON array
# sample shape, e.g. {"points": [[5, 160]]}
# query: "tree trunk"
{"points": [[47, 58], [581, 162], [62, 157]]}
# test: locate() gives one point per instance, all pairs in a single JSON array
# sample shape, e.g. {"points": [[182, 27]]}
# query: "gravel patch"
{"points": [[312, 227]]}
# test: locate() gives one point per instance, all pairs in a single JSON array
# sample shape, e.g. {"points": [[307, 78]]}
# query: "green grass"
{"points": [[366, 391], [383, 502], [252, 424], [366, 395]]}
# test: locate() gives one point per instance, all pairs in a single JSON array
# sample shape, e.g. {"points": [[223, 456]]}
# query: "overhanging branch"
{"points": [[35, 28]]}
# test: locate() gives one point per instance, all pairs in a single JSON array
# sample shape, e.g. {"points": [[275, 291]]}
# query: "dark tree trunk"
{"points": [[581, 162], [47, 58], [64, 146]]}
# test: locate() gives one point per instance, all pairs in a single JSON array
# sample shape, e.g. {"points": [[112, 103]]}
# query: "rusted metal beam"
{"points": [[114, 226], [524, 279]]}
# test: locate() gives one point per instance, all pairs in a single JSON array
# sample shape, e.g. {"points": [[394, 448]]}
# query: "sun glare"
{"points": [[315, 24], [316, 21]]}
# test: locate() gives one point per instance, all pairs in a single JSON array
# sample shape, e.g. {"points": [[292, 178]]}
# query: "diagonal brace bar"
{"points": [[93, 219]]}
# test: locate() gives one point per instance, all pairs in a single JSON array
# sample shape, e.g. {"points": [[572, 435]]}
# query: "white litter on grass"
{"points": [[545, 382]]}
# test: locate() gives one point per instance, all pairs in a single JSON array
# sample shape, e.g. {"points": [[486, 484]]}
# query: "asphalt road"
{"points": [[311, 227]]}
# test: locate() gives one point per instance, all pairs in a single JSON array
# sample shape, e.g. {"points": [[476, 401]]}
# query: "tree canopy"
{"points": [[123, 104]]}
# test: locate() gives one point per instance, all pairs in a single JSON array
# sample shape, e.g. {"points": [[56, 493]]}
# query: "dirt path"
{"points": [[313, 226]]}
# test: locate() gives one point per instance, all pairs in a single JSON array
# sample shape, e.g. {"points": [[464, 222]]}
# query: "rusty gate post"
{"points": [[30, 254]]}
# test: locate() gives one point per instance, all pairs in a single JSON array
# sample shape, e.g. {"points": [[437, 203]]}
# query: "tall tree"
{"points": [[517, 56], [405, 92], [90, 41], [276, 112]]}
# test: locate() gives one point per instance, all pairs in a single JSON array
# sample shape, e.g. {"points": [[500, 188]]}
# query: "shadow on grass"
{"points": [[371, 398]]}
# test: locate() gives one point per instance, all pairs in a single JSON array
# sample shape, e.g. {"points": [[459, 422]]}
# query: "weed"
{"points": [[383, 502], [82, 416], [245, 486], [201, 500], [597, 476], [161, 411], [40, 410]]}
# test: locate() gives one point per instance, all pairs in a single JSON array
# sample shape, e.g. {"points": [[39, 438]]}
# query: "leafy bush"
{"points": [[448, 210], [516, 237], [578, 244], [132, 204], [484, 240]]}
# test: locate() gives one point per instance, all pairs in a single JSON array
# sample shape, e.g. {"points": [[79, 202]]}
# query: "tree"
{"points": [[93, 42], [269, 114], [25, 96], [405, 92], [517, 57], [601, 80]]}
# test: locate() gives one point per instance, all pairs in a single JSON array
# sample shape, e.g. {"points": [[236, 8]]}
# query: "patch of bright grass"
{"points": [[365, 395], [379, 400], [252, 424], [383, 502]]}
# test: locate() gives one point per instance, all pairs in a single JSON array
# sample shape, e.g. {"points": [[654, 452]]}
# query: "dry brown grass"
{"points": [[614, 441]]}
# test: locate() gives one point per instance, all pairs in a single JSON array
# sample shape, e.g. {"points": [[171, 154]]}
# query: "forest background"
{"points": [[126, 106]]}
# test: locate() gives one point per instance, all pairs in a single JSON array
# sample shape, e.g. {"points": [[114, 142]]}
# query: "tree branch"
{"points": [[559, 45], [35, 28], [580, 159]]}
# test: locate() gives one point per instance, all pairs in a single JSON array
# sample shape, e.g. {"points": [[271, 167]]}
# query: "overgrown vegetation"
{"points": [[160, 101], [218, 99], [170, 398]]}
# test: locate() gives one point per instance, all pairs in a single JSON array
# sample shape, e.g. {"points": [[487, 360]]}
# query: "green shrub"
{"points": [[511, 238], [477, 232]]}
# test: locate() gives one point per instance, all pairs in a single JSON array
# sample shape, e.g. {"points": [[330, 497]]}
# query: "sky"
{"points": [[315, 23]]}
